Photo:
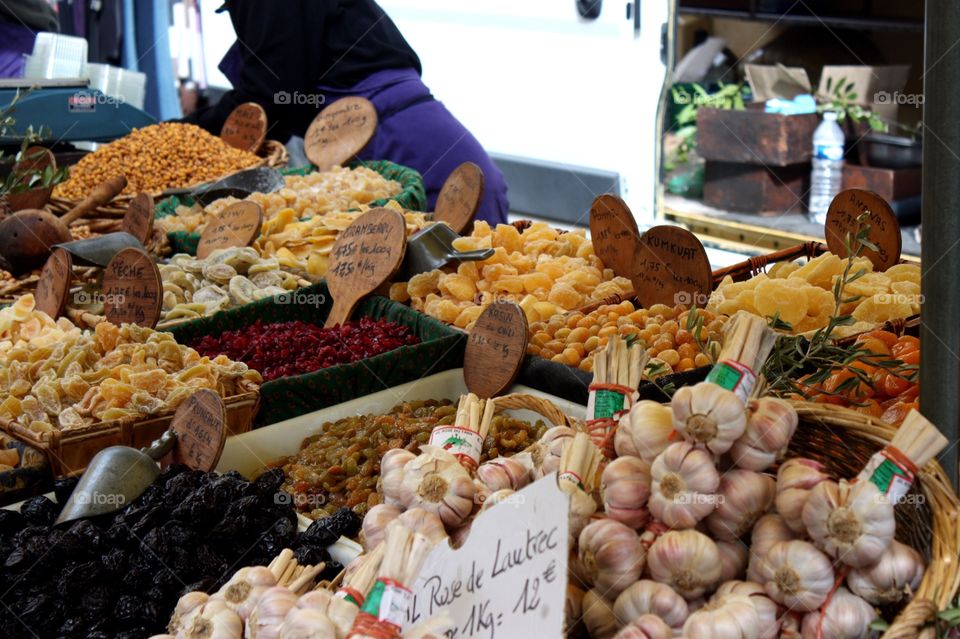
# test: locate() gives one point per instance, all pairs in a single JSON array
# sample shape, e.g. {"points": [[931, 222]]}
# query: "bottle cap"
{"points": [[830, 115]]}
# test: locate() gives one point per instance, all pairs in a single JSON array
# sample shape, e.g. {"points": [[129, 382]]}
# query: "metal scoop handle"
{"points": [[158, 448], [472, 256]]}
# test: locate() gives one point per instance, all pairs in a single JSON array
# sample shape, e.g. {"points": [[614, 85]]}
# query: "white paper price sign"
{"points": [[509, 580]]}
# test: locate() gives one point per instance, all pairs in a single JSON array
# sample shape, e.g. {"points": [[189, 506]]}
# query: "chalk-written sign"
{"points": [[843, 220], [495, 349], [509, 580], [246, 127], [460, 197], [366, 254], [237, 225], [340, 131], [614, 233], [54, 284], [132, 289], [138, 220], [671, 267], [200, 424]]}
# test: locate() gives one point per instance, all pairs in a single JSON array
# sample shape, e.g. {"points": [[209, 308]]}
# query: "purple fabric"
{"points": [[231, 63], [417, 131], [15, 41]]}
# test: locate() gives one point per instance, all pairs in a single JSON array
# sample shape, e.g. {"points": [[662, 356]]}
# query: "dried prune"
{"points": [[62, 488], [39, 511], [324, 532]]}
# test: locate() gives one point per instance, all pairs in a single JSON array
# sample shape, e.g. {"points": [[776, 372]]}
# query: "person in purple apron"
{"points": [[19, 22], [294, 57]]}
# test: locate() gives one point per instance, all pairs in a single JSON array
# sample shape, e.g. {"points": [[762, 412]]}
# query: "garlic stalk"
{"points": [[186, 606], [769, 428], [391, 474], [437, 482], [651, 597], [424, 522], [894, 578], [645, 431], [269, 613], [612, 556], [578, 478], [850, 522], [684, 481], [645, 627], [733, 560], [625, 488], [308, 623], [214, 620], [729, 616], [244, 589], [795, 479], [709, 416], [846, 616], [796, 574], [744, 496], [598, 616], [503, 472], [767, 613], [687, 560], [375, 524]]}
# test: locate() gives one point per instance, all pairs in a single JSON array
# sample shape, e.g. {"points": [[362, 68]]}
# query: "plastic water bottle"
{"points": [[826, 178]]}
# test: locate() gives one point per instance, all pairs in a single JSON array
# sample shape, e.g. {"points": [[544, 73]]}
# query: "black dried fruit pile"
{"points": [[119, 576]]}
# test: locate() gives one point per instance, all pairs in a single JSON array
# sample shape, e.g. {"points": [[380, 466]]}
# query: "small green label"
{"points": [[725, 376], [607, 403], [884, 474], [371, 604]]}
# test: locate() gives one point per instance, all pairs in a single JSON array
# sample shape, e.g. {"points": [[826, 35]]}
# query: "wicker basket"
{"points": [[70, 451], [844, 440], [539, 405]]}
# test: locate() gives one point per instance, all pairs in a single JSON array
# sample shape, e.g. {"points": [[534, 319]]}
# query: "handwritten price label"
{"points": [[138, 220], [843, 219], [495, 349], [54, 285], [671, 267], [237, 225], [460, 197], [132, 289], [200, 424], [614, 233], [340, 131], [246, 127]]}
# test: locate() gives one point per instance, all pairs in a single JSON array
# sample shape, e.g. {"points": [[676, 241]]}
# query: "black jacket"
{"points": [[294, 45]]}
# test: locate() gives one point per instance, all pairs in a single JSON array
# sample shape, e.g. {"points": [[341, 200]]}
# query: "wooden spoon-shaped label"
{"points": [[495, 349], [237, 225], [138, 220], [53, 288], [460, 197], [201, 426], [340, 131], [366, 254], [132, 289], [843, 220], [614, 233], [671, 267], [246, 127]]}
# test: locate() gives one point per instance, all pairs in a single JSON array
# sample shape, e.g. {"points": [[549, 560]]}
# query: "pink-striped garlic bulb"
{"points": [[892, 579], [766, 608], [625, 488], [375, 524], [645, 431], [269, 613], [547, 451], [728, 616], [769, 530], [684, 483], [845, 616], [795, 479], [734, 556], [647, 597], [744, 496], [850, 522], [645, 627], [598, 616], [770, 426], [612, 556], [503, 472], [245, 588], [437, 482], [686, 560], [391, 474], [796, 575], [709, 416]]}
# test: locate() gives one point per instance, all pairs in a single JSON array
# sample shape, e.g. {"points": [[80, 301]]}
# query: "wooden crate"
{"points": [[753, 188], [754, 137], [70, 451]]}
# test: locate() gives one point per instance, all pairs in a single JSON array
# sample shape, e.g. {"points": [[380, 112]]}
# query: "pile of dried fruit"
{"points": [[542, 269], [154, 158], [676, 339], [282, 349]]}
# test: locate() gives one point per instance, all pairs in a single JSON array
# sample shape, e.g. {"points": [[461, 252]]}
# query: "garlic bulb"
{"points": [[654, 598], [340, 611], [733, 560], [499, 497], [846, 616], [244, 589], [546, 453], [269, 613], [437, 482], [214, 620], [503, 472], [187, 605], [582, 507], [894, 578], [424, 522], [645, 627], [769, 626], [572, 609], [728, 616], [709, 416], [625, 487], [683, 485], [375, 524], [795, 479], [745, 496], [391, 474], [850, 522], [458, 537], [645, 431], [612, 556], [796, 574], [598, 616], [769, 428], [308, 623], [768, 530], [687, 560]]}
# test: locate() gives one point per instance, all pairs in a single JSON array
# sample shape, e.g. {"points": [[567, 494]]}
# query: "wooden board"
{"points": [[340, 131], [614, 233], [53, 288], [460, 197], [366, 254], [237, 225], [671, 268], [842, 216], [138, 220], [495, 349], [246, 127], [200, 424], [132, 289]]}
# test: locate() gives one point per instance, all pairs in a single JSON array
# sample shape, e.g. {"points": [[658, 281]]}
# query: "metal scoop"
{"points": [[115, 477], [98, 251], [262, 179], [432, 247]]}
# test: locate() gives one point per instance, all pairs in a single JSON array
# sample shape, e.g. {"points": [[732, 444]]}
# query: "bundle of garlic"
{"points": [[578, 479], [617, 368], [464, 439], [436, 481]]}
